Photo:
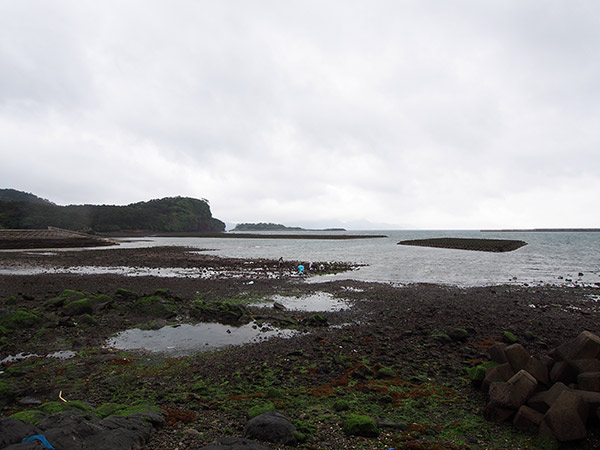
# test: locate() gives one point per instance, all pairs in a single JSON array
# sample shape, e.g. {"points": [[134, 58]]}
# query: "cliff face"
{"points": [[171, 214]]}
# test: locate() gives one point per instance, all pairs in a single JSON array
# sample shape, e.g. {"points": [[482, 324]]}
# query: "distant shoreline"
{"points": [[57, 238], [237, 235], [544, 230]]}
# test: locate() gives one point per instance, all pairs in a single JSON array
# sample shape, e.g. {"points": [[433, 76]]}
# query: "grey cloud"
{"points": [[392, 111]]}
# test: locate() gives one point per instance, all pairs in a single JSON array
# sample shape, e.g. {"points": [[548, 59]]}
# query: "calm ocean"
{"points": [[549, 258]]}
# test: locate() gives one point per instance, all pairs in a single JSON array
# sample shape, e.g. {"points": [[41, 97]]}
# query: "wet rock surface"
{"points": [[73, 431]]}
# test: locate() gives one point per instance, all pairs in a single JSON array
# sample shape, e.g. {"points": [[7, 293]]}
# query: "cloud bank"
{"points": [[410, 114]]}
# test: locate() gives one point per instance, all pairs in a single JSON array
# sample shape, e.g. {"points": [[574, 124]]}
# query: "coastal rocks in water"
{"points": [[233, 443], [271, 427], [482, 245], [554, 394]]}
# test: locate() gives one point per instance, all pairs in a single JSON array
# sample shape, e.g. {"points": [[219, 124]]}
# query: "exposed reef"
{"points": [[482, 245]]}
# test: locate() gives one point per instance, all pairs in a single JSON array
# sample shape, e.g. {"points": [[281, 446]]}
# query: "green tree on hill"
{"points": [[171, 214]]}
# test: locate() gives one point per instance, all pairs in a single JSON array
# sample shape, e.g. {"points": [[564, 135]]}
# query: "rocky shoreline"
{"points": [[394, 365]]}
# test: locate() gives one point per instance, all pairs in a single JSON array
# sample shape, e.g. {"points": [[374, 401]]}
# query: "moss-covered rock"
{"points": [[260, 409], [341, 405], [509, 338], [155, 306], [227, 312], [21, 318], [529, 336], [78, 307], [35, 416], [458, 334], [477, 373], [125, 295], [440, 336], [360, 425], [66, 296], [32, 416], [59, 407], [87, 319], [108, 409], [117, 409]]}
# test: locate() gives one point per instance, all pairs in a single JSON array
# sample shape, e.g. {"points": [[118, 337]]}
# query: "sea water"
{"points": [[560, 258]]}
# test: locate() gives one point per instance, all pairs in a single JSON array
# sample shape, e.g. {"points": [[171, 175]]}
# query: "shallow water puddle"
{"points": [[62, 354], [319, 301], [188, 339]]}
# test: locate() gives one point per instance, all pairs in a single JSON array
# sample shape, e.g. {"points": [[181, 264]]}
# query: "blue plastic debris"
{"points": [[41, 438]]}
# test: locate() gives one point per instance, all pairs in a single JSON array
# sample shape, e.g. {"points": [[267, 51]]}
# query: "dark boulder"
{"points": [[233, 443], [271, 427]]}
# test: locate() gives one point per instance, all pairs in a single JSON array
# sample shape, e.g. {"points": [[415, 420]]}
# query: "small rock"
{"points": [[192, 433], [29, 401]]}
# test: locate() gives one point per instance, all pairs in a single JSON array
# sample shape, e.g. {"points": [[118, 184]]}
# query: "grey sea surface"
{"points": [[559, 258]]}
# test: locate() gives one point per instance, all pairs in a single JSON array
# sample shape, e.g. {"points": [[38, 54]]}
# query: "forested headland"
{"points": [[21, 210]]}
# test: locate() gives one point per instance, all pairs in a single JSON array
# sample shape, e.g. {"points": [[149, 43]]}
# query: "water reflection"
{"points": [[61, 354], [319, 301], [188, 339]]}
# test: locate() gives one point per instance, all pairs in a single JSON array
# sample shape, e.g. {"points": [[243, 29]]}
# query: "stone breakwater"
{"points": [[556, 395], [482, 245]]}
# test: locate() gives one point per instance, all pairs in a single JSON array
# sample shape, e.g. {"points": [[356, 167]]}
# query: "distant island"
{"points": [[261, 226], [22, 210]]}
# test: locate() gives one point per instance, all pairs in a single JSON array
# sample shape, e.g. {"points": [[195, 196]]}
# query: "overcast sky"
{"points": [[406, 114]]}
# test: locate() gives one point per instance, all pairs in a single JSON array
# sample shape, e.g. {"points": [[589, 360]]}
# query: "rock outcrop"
{"points": [[75, 431]]}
